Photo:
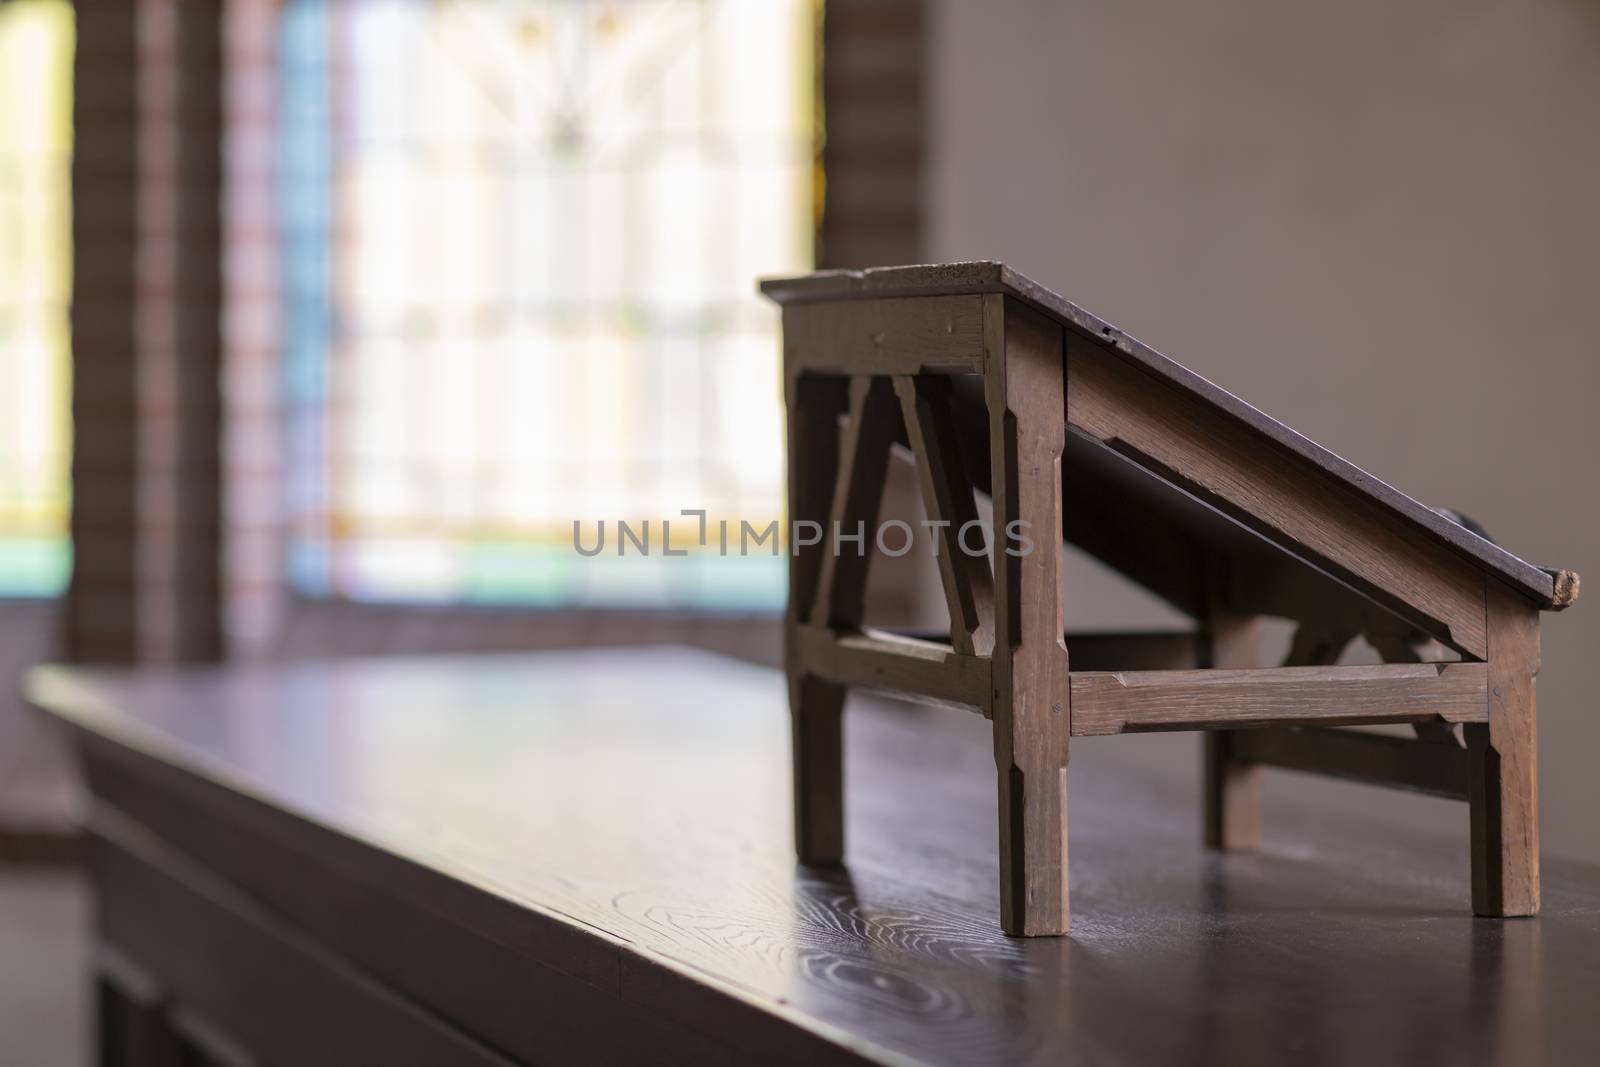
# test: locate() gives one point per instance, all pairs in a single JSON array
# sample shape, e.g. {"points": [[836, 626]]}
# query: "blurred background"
{"points": [[322, 320]]}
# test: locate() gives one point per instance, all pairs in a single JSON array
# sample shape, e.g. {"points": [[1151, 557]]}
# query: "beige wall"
{"points": [[1379, 222]]}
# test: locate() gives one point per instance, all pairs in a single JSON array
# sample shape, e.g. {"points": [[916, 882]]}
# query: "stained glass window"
{"points": [[36, 38], [521, 239]]}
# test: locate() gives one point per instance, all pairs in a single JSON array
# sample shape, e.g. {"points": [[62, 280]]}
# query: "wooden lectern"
{"points": [[1077, 432]]}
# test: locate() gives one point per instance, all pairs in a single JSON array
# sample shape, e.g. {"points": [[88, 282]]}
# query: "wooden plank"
{"points": [[333, 792], [1189, 554], [1232, 788], [1270, 581], [288, 999], [891, 663], [1230, 800], [1114, 650], [916, 335], [857, 495], [813, 405], [948, 499], [1550, 588], [1401, 762], [1129, 531], [1286, 499], [1032, 699], [1113, 702], [1504, 753], [1396, 647], [477, 959], [816, 723]]}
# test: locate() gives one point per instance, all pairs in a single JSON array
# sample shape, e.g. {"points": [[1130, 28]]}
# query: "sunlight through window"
{"points": [[521, 244], [36, 38]]}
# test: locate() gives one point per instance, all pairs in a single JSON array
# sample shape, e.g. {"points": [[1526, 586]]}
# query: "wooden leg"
{"points": [[1503, 786], [816, 712], [1231, 801], [1231, 790], [815, 706], [1033, 851], [813, 406], [1024, 385]]}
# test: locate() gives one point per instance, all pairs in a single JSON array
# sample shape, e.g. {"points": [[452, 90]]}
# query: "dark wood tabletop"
{"points": [[587, 856]]}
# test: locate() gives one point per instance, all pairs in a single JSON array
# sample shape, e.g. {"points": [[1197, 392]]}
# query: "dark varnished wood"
{"points": [[221, 955], [1032, 700], [886, 662], [1234, 466], [1230, 789], [887, 337], [1111, 702], [581, 858], [948, 499], [1505, 762], [1168, 456], [1551, 588], [813, 405], [857, 494]]}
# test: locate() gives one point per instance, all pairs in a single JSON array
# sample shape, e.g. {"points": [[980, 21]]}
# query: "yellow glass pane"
{"points": [[36, 42]]}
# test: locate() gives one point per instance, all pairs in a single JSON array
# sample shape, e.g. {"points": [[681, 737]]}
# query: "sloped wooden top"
{"points": [[1551, 588]]}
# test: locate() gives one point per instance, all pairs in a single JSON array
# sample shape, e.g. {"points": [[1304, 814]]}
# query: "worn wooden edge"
{"points": [[985, 276], [58, 692], [1113, 702], [1564, 591], [1378, 759]]}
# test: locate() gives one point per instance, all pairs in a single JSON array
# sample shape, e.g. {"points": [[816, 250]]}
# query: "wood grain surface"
{"points": [[1505, 762], [1032, 701], [585, 857], [1110, 702], [1282, 496], [1552, 588], [944, 333]]}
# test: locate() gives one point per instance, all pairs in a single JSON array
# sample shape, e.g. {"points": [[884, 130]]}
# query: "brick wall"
{"points": [[256, 601], [875, 118], [146, 179], [101, 621], [875, 128]]}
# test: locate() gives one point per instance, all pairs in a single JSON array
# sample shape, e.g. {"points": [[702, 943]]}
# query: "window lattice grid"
{"points": [[522, 240]]}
